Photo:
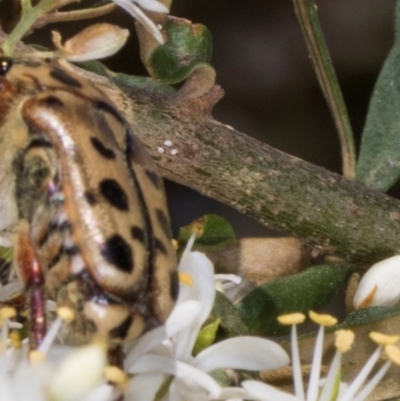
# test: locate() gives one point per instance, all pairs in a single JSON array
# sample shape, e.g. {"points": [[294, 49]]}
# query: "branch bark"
{"points": [[279, 190]]}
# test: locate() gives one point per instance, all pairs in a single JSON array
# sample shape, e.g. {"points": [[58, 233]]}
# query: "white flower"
{"points": [[55, 373], [380, 286], [167, 351], [330, 388], [136, 12], [84, 368]]}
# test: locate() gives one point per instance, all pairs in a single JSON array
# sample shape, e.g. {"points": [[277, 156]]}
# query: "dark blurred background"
{"points": [[270, 88]]}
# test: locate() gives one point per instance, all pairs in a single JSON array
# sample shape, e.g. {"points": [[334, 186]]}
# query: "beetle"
{"points": [[83, 206]]}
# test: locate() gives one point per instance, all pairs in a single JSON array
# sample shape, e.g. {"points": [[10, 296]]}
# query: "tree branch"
{"points": [[279, 190]]}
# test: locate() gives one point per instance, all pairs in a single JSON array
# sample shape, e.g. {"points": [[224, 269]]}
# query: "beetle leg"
{"points": [[32, 276]]}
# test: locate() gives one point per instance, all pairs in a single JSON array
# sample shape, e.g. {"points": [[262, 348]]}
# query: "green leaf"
{"points": [[368, 315], [309, 290], [206, 336], [379, 162], [125, 80], [213, 232], [228, 316], [189, 47], [96, 67], [6, 254]]}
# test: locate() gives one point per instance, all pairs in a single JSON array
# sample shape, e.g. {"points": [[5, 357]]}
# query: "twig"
{"points": [[277, 189], [312, 32], [75, 15]]}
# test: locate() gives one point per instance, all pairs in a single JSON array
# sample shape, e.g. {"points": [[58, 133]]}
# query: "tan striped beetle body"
{"points": [[84, 203]]}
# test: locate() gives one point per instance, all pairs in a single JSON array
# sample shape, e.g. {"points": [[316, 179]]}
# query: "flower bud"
{"points": [[380, 286], [94, 42]]}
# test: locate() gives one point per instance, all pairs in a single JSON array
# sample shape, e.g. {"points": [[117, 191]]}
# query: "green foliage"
{"points": [[379, 162], [188, 47], [128, 81], [6, 254], [368, 315], [309, 290], [206, 336], [228, 316], [213, 232]]}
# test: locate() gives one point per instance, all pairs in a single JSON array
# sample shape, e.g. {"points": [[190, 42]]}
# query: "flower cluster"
{"points": [[161, 365], [164, 355], [330, 388]]}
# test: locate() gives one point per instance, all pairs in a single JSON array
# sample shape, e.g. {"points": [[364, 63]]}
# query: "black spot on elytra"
{"points": [[63, 77], [39, 143], [117, 252], [154, 178], [91, 198], [174, 283], [163, 221], [52, 101], [71, 250], [55, 227], [64, 226], [114, 193], [109, 109], [138, 234], [121, 331], [56, 258], [134, 151], [101, 149], [160, 246]]}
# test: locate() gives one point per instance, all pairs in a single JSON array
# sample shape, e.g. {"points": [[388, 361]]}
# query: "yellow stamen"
{"points": [[291, 318], [393, 353], [175, 244], [343, 340], [15, 339], [7, 312], [186, 278], [115, 375], [36, 356], [197, 227], [65, 313], [321, 319], [383, 339]]}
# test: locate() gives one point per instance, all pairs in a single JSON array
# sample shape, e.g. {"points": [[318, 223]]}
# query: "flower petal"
{"points": [[6, 291], [265, 392], [233, 393], [250, 353], [182, 316], [155, 363], [137, 13], [104, 392], [152, 5], [144, 387], [199, 267], [84, 368]]}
